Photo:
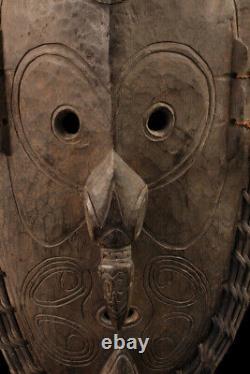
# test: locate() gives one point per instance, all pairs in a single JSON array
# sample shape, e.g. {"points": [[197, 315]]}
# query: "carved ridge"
{"points": [[119, 362], [191, 55], [235, 300], [15, 349]]}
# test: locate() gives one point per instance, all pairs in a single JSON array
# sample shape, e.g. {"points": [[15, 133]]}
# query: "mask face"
{"points": [[121, 190]]}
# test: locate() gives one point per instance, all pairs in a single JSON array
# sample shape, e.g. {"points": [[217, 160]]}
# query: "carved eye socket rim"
{"points": [[62, 129], [74, 60], [159, 121], [202, 66]]}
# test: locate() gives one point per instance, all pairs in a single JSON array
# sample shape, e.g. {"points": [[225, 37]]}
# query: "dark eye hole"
{"points": [[66, 124], [159, 121]]}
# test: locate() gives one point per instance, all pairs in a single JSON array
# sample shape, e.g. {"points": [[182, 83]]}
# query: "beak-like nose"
{"points": [[115, 205]]}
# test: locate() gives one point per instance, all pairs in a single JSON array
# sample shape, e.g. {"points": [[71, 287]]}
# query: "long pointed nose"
{"points": [[115, 203]]}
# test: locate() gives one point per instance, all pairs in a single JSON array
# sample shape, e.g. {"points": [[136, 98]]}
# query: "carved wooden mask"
{"points": [[124, 183]]}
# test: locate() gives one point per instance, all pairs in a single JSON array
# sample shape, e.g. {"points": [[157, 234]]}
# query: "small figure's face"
{"points": [[124, 178]]}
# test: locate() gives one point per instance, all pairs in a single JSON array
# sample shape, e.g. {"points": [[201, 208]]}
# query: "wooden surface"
{"points": [[151, 83]]}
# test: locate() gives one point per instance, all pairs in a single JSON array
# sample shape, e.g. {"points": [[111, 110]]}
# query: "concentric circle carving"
{"points": [[169, 341], [73, 346], [174, 280], [48, 293]]}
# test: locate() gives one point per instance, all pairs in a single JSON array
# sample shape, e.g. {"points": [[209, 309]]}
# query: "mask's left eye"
{"points": [[165, 106], [159, 121], [66, 124]]}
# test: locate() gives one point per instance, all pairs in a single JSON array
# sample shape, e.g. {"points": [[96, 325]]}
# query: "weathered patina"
{"points": [[124, 179]]}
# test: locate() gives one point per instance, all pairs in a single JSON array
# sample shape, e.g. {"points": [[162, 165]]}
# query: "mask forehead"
{"points": [[200, 27], [45, 23]]}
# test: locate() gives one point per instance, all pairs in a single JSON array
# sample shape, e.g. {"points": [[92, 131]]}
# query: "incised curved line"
{"points": [[74, 59], [28, 229], [187, 52]]}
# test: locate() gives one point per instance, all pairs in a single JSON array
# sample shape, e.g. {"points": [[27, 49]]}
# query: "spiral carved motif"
{"points": [[74, 344]]}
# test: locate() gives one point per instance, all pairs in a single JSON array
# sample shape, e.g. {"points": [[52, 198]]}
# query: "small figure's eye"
{"points": [[66, 124], [159, 121]]}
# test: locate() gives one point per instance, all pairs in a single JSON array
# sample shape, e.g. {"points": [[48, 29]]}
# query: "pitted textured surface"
{"points": [[112, 64]]}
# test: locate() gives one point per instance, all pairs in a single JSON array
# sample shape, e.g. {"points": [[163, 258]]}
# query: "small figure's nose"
{"points": [[115, 203]]}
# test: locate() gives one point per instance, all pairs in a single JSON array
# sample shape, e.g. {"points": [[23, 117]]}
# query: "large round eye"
{"points": [[165, 107], [159, 121], [60, 112], [66, 124]]}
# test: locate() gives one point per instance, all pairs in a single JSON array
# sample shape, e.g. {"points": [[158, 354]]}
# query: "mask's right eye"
{"points": [[57, 99], [66, 124], [159, 121]]}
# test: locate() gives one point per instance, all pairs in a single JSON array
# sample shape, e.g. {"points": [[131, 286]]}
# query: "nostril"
{"points": [[132, 317], [131, 312], [106, 316]]}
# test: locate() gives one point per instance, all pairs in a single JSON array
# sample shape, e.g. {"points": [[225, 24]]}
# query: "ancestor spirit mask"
{"points": [[124, 183]]}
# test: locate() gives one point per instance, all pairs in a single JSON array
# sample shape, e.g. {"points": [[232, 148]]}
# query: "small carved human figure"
{"points": [[124, 177]]}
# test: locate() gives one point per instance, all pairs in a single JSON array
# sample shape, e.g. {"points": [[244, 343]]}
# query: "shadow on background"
{"points": [[237, 358], [3, 366]]}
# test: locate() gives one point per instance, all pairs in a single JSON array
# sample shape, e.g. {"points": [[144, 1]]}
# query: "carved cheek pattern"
{"points": [[72, 346], [174, 280], [168, 346], [47, 294], [56, 282], [174, 285]]}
